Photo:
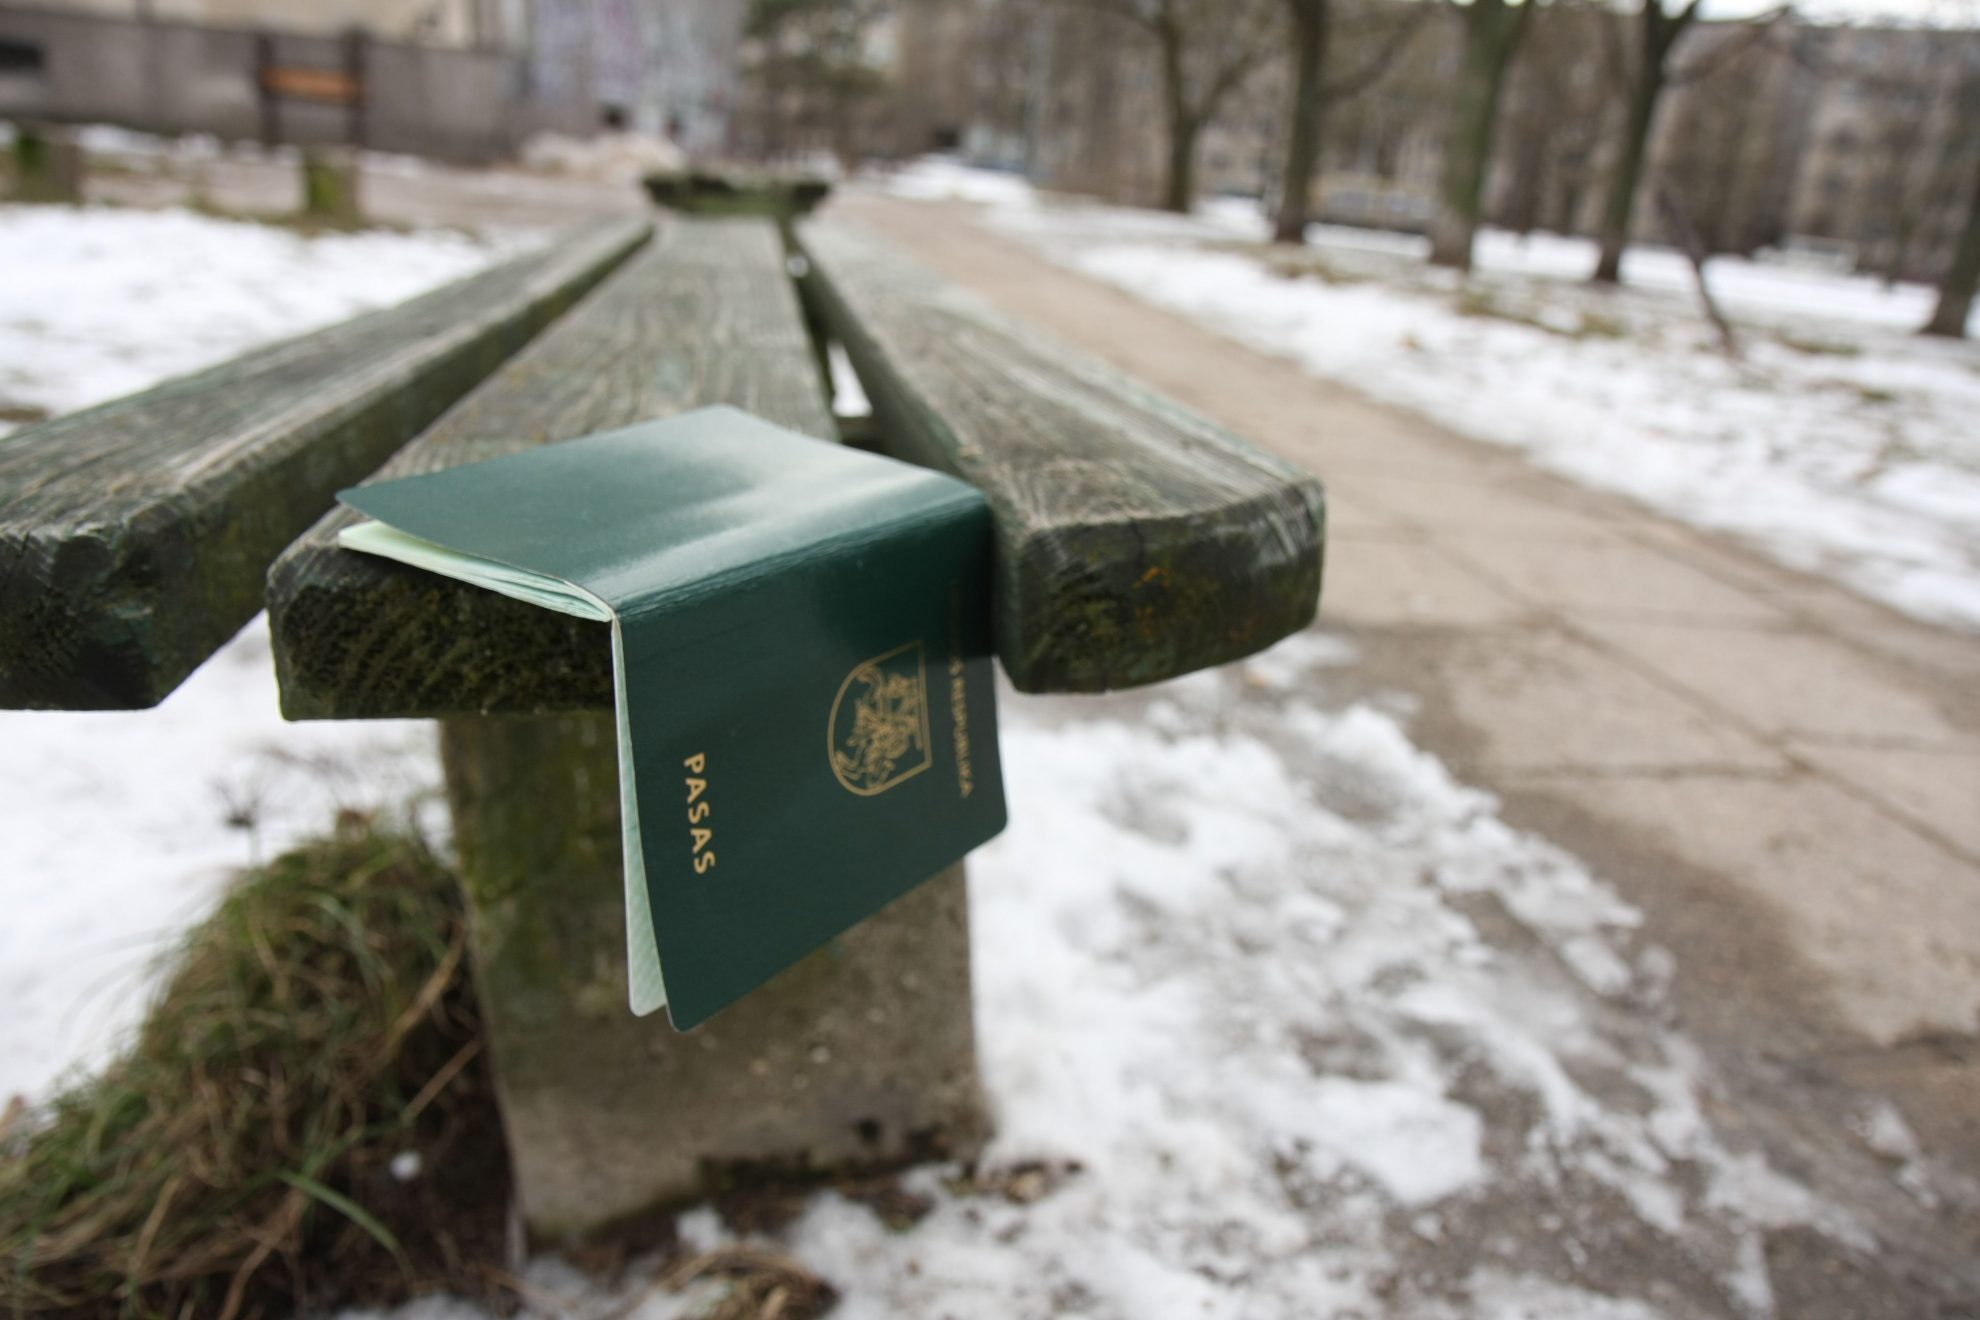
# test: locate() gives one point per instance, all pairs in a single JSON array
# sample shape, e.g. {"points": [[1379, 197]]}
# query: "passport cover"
{"points": [[801, 646]]}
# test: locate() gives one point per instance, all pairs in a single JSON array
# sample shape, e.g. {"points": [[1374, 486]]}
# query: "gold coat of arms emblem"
{"points": [[878, 733]]}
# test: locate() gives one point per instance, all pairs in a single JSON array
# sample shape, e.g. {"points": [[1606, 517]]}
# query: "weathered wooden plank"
{"points": [[134, 536], [706, 315], [1135, 540]]}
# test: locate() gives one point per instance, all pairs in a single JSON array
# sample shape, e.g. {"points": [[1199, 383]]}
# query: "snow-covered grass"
{"points": [[118, 832], [1841, 442], [100, 301], [122, 828]]}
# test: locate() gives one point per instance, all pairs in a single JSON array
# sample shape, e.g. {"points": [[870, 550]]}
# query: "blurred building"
{"points": [[455, 79], [1890, 145]]}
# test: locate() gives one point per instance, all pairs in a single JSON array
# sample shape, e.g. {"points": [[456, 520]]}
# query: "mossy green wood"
{"points": [[706, 315], [1135, 540], [134, 537]]}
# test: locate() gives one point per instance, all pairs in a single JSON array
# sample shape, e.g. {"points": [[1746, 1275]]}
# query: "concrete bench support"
{"points": [[864, 1054]]}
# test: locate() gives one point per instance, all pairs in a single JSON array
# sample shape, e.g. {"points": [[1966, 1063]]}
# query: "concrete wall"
{"points": [[429, 22], [464, 105]]}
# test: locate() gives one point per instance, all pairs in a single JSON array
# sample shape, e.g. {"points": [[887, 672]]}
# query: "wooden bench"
{"points": [[699, 192], [1192, 549]]}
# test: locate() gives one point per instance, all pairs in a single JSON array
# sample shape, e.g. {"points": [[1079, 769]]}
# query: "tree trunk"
{"points": [[1696, 253], [1962, 278], [1179, 183], [1529, 185], [1627, 173], [1309, 19], [1491, 34]]}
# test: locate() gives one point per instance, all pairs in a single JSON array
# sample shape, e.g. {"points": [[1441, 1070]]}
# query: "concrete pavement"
{"points": [[1784, 776]]}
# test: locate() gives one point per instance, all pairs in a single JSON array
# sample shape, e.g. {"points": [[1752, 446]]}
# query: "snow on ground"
{"points": [[116, 823], [1291, 1024], [101, 301], [1842, 443]]}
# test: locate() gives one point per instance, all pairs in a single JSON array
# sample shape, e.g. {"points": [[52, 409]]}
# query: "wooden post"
{"points": [[330, 187], [48, 165], [862, 1055], [356, 48], [264, 89]]}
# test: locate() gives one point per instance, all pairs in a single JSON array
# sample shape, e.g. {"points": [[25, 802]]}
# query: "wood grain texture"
{"points": [[707, 314], [1135, 540], [134, 537]]}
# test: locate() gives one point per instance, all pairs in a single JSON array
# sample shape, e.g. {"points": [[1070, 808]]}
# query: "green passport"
{"points": [[801, 648]]}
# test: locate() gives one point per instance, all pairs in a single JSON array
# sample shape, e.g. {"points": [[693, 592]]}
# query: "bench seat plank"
{"points": [[135, 536], [707, 314], [1135, 540]]}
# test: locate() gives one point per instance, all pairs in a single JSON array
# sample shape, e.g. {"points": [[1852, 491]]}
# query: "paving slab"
{"points": [[1937, 790], [1397, 583], [1536, 698], [1356, 517], [1609, 576], [1787, 682], [1890, 918], [1476, 504]]}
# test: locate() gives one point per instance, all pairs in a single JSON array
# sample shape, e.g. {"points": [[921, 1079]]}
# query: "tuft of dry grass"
{"points": [[761, 1285], [239, 1159]]}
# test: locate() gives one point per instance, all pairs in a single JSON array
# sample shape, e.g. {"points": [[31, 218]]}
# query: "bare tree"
{"points": [[1734, 173], [1206, 49], [1552, 120], [1492, 32], [1645, 76], [1310, 21], [814, 70], [1312, 92], [1962, 277]]}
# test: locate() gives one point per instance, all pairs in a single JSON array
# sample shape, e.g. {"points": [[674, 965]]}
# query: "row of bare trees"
{"points": [[815, 62], [1206, 49]]}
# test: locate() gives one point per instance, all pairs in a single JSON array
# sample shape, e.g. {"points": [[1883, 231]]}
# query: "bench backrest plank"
{"points": [[1136, 540], [707, 314], [134, 537]]}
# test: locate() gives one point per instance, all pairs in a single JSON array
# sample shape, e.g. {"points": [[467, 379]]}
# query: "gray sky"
{"points": [[1918, 13]]}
